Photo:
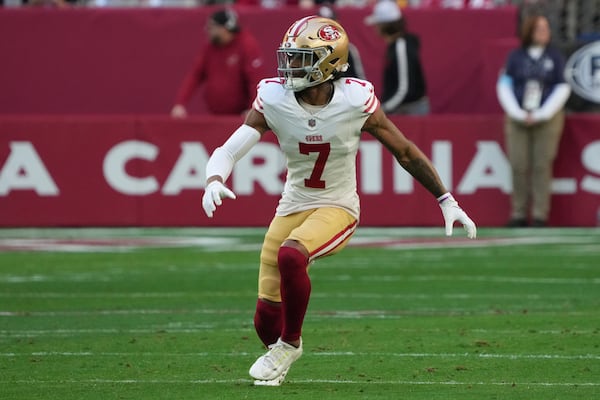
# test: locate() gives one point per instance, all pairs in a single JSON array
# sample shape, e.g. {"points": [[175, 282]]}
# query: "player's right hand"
{"points": [[214, 192]]}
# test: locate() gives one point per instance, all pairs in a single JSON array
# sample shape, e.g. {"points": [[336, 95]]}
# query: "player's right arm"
{"points": [[221, 162]]}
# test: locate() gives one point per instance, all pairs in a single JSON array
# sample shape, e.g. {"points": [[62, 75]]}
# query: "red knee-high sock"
{"points": [[267, 321], [295, 291]]}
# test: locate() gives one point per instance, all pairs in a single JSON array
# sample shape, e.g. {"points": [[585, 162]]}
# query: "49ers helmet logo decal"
{"points": [[329, 33]]}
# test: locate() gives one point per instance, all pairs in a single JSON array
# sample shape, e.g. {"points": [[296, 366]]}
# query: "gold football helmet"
{"points": [[313, 49]]}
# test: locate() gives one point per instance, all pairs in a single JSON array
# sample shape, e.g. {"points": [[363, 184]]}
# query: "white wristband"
{"points": [[443, 197]]}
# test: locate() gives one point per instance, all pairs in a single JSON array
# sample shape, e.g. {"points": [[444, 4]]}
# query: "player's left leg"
{"points": [[323, 232], [267, 318]]}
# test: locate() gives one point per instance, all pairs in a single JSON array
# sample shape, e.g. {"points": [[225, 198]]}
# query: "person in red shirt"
{"points": [[228, 68]]}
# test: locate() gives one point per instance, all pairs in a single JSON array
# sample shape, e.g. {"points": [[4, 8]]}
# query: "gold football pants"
{"points": [[322, 231]]}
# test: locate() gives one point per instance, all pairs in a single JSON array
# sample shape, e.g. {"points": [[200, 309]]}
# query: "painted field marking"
{"points": [[110, 241], [322, 295], [203, 328], [309, 354], [97, 277], [292, 381], [343, 314]]}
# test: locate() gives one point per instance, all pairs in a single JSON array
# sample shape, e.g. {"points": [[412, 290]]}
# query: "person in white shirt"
{"points": [[317, 116]]}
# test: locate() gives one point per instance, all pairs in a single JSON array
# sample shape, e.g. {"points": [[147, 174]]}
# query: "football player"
{"points": [[318, 117]]}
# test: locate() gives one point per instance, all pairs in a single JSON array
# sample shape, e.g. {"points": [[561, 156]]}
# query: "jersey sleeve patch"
{"points": [[361, 94]]}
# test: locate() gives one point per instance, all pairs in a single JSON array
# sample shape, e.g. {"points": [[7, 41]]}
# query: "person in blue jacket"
{"points": [[532, 92]]}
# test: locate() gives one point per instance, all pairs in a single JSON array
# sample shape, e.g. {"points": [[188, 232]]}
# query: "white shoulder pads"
{"points": [[357, 91]]}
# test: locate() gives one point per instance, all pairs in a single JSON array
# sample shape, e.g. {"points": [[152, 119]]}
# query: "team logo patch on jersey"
{"points": [[312, 123], [329, 33]]}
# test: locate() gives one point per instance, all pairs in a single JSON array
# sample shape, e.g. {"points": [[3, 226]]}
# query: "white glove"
{"points": [[213, 193], [452, 212]]}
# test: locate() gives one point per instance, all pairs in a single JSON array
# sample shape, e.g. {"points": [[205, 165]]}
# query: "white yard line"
{"points": [[85, 313], [239, 323], [106, 277], [348, 314], [310, 354], [353, 295], [482, 278], [292, 381], [204, 328]]}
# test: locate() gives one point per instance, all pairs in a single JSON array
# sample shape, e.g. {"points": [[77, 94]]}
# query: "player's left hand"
{"points": [[452, 212], [214, 192]]}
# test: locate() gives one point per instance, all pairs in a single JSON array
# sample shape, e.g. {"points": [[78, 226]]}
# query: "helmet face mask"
{"points": [[299, 68], [312, 51]]}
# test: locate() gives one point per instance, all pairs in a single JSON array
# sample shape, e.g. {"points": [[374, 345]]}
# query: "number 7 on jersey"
{"points": [[315, 177]]}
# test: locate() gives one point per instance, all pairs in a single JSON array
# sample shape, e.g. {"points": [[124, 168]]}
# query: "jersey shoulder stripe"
{"points": [[360, 93], [269, 91]]}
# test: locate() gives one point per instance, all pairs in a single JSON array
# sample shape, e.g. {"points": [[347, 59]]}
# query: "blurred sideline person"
{"points": [[318, 117], [404, 86], [533, 92], [48, 3], [355, 65], [228, 68]]}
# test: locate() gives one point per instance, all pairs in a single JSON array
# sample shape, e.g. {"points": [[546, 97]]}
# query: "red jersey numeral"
{"points": [[315, 177], [351, 80]]}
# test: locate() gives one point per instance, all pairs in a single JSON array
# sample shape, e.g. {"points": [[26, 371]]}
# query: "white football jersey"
{"points": [[320, 147]]}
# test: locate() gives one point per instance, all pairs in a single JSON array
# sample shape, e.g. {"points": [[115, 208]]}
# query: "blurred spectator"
{"points": [[532, 91], [486, 3], [275, 3], [457, 4], [404, 88], [355, 65], [144, 3], [48, 3], [228, 68]]}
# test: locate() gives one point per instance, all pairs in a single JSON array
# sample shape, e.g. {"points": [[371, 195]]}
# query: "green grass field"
{"points": [[400, 314]]}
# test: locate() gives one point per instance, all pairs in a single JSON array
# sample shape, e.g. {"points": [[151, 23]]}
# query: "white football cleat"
{"points": [[271, 368], [273, 382]]}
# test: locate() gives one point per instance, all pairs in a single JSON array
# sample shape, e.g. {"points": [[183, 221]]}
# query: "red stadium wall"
{"points": [[131, 61], [149, 171], [77, 147]]}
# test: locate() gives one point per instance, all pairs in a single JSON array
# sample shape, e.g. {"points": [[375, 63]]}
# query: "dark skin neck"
{"points": [[319, 95]]}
